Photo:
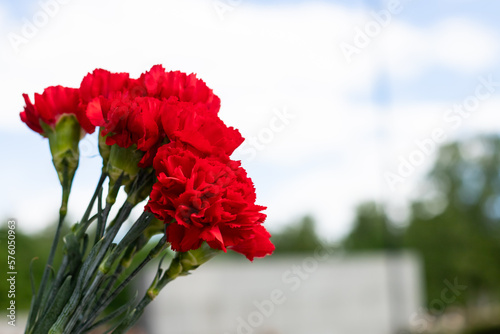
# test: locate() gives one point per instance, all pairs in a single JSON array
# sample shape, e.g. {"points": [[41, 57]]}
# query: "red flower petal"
{"points": [[30, 115]]}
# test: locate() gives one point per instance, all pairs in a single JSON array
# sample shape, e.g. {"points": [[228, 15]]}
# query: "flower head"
{"points": [[187, 88], [127, 121], [57, 114], [49, 106], [207, 199], [102, 83]]}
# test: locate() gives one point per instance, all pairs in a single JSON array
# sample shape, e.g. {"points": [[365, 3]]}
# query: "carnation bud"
{"points": [[190, 260], [180, 266], [196, 257], [122, 164], [143, 187], [63, 141], [175, 269], [156, 226], [127, 259]]}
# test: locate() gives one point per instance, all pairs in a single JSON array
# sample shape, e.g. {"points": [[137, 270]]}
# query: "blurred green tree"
{"points": [[371, 230], [455, 224], [28, 248], [298, 237]]}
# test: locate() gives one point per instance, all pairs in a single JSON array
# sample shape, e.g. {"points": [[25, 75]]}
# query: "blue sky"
{"points": [[352, 121]]}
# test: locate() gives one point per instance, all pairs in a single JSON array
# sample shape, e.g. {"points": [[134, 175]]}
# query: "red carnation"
{"points": [[207, 199], [102, 83], [127, 121], [187, 88], [49, 106]]}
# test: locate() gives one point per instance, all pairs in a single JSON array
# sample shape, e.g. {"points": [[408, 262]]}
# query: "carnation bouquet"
{"points": [[164, 146]]}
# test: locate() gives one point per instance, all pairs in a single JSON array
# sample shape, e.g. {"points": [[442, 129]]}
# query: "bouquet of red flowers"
{"points": [[161, 142]]}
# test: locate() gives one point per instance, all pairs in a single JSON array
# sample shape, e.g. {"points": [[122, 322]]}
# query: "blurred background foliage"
{"points": [[453, 224], [31, 250]]}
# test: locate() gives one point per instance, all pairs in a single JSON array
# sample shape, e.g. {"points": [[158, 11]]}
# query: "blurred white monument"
{"points": [[324, 293]]}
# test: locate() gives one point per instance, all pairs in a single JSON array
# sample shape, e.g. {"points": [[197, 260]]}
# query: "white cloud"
{"points": [[465, 45], [459, 45]]}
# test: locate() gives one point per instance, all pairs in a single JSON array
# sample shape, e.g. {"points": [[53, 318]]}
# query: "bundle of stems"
{"points": [[92, 274]]}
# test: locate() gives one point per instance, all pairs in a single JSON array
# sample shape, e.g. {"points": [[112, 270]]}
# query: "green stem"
{"points": [[93, 262], [61, 272], [132, 235], [57, 282], [132, 318], [85, 222], [59, 326], [102, 217], [41, 291], [180, 265], [106, 298]]}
